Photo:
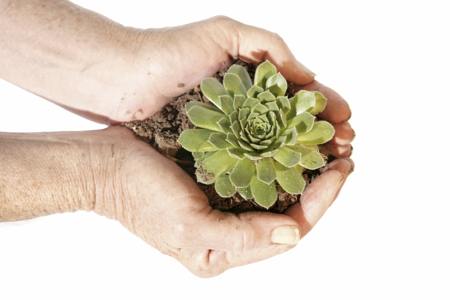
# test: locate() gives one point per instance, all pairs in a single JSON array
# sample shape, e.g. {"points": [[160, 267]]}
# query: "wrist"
{"points": [[108, 152], [117, 73], [135, 69], [44, 173]]}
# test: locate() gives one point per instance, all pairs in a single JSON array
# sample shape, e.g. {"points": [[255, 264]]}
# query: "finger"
{"points": [[205, 262], [233, 240], [208, 263], [255, 255], [320, 194], [338, 151], [245, 231], [255, 45], [344, 134], [337, 109]]}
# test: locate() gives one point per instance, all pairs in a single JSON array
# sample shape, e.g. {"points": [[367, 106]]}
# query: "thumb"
{"points": [[226, 240], [247, 231]]}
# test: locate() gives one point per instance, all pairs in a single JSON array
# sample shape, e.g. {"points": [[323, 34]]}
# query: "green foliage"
{"points": [[254, 137]]}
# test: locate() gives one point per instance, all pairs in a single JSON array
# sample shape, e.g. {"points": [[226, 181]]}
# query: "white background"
{"points": [[387, 236]]}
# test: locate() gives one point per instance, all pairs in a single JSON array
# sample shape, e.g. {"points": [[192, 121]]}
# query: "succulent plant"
{"points": [[253, 137]]}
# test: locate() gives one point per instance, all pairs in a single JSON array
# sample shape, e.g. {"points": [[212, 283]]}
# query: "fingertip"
{"points": [[344, 134], [320, 194], [344, 165], [301, 75], [306, 70], [338, 151]]}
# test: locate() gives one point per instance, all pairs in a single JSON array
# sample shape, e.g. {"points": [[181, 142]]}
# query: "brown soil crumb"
{"points": [[162, 131]]}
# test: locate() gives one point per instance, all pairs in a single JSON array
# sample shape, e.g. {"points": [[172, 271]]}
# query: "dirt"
{"points": [[162, 131]]}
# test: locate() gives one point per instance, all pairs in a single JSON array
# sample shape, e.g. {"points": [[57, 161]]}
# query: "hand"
{"points": [[159, 202], [130, 74], [174, 60]]}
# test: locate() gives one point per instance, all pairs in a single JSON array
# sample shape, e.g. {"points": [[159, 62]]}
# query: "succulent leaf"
{"points": [[226, 102], [254, 91], [264, 194], [234, 85], [223, 186], [263, 72], [213, 89], [204, 117], [218, 140], [303, 122], [196, 140], [243, 75], [219, 162], [265, 170], [310, 157], [287, 157], [321, 132], [290, 179], [312, 102], [255, 138], [245, 193], [321, 103], [277, 84], [242, 173]]}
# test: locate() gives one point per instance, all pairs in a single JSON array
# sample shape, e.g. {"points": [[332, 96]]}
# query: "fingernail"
{"points": [[345, 166], [286, 235], [351, 163]]}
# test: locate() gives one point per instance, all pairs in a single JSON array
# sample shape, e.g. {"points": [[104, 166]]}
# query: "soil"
{"points": [[162, 131]]}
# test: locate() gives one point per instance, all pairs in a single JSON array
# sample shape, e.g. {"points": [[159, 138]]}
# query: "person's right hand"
{"points": [[160, 203], [170, 61]]}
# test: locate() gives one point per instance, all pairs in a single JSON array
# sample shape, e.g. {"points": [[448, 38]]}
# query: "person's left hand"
{"points": [[159, 202]]}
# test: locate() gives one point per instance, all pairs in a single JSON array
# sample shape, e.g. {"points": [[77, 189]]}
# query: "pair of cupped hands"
{"points": [[159, 202]]}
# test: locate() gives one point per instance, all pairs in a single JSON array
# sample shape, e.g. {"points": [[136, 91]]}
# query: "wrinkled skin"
{"points": [[181, 223], [148, 193]]}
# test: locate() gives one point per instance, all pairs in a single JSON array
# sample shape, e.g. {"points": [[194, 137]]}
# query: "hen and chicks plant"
{"points": [[251, 137]]}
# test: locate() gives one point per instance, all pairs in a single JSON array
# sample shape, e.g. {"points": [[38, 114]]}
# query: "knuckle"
{"points": [[222, 20], [277, 37], [207, 273], [209, 270], [209, 263]]}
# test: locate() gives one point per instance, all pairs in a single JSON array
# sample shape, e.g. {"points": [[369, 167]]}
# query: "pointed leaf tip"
{"points": [[277, 84], [196, 140], [243, 75], [204, 116], [233, 84], [212, 88], [312, 102]]}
